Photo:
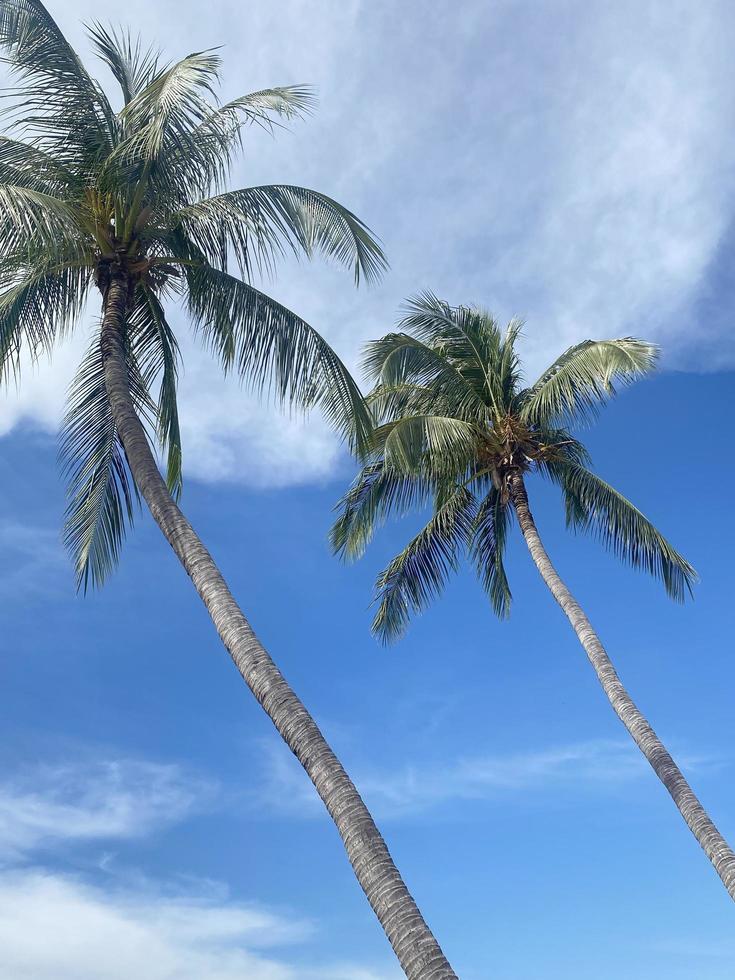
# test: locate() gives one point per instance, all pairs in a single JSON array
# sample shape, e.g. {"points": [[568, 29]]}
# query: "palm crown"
{"points": [[454, 423], [85, 188]]}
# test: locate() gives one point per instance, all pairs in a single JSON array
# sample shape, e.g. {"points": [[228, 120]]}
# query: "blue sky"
{"points": [[567, 162]]}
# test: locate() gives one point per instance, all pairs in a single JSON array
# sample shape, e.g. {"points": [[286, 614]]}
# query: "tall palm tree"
{"points": [[458, 431], [132, 202]]}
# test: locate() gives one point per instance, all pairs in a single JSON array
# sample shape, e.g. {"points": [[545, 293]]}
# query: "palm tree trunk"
{"points": [[710, 839], [416, 948]]}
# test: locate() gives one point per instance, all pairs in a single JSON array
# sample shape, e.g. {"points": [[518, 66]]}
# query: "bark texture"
{"points": [[710, 839], [416, 948]]}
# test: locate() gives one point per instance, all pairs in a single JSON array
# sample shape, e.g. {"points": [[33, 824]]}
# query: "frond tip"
{"points": [[592, 504]]}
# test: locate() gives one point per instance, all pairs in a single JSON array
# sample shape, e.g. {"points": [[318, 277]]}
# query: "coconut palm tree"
{"points": [[130, 204], [458, 431]]}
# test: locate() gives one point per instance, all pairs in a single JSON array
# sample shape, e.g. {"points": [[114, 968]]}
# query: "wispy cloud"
{"points": [[568, 164], [116, 924], [32, 560], [594, 766], [54, 927], [99, 800]]}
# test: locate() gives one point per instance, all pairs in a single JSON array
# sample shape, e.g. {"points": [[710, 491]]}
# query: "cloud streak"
{"points": [[101, 800], [594, 766], [113, 926]]}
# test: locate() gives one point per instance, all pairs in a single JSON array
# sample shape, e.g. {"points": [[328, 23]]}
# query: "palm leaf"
{"points": [[260, 223], [376, 493], [592, 504], [100, 491], [132, 65], [435, 446], [30, 217], [156, 352], [418, 574], [43, 305], [584, 377], [28, 167], [488, 538], [58, 102], [470, 339], [188, 170], [276, 351], [398, 360], [171, 106]]}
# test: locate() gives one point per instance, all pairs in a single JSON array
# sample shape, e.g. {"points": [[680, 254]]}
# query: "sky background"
{"points": [[568, 162]]}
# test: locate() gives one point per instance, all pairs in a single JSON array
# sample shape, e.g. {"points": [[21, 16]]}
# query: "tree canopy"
{"points": [[454, 420]]}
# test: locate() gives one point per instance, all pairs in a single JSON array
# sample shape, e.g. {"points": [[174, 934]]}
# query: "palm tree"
{"points": [[458, 432], [133, 202]]}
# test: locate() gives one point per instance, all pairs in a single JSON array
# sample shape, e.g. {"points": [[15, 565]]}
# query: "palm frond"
{"points": [[43, 305], [376, 493], [156, 352], [29, 216], [584, 377], [488, 538], [593, 505], [195, 168], [418, 574], [28, 167], [100, 490], [276, 351], [171, 106], [468, 338], [260, 223], [436, 446], [132, 65], [399, 360], [58, 101]]}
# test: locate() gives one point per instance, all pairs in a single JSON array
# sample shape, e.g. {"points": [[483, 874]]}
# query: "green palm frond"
{"points": [[100, 491], [584, 377], [173, 104], [28, 167], [193, 169], [57, 101], [132, 65], [259, 224], [261, 108], [29, 217], [488, 538], [418, 574], [42, 306], [468, 338], [376, 494], [156, 351], [276, 352], [436, 446], [399, 360], [592, 504]]}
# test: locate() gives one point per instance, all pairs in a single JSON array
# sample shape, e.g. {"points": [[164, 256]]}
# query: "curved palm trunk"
{"points": [[710, 839], [416, 948]]}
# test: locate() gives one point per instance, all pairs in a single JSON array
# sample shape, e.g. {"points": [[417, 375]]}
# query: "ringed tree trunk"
{"points": [[710, 839], [416, 948]]}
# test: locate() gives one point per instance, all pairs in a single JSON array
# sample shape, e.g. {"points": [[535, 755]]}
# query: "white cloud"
{"points": [[54, 927], [57, 926], [596, 765], [97, 800], [564, 164]]}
